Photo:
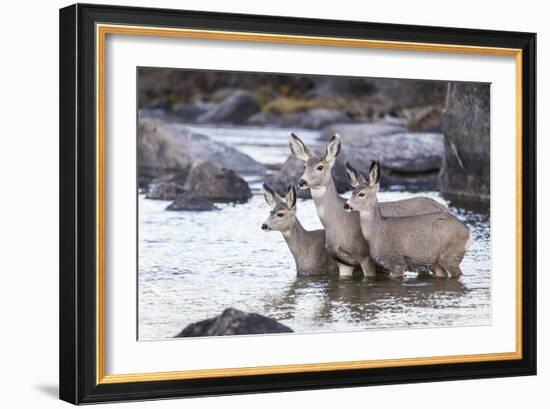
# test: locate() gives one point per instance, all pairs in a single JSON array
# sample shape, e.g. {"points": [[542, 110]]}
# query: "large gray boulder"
{"points": [[191, 201], [234, 322], [235, 109], [410, 160], [465, 172], [391, 144], [399, 152], [165, 148], [216, 184], [159, 148], [202, 178]]}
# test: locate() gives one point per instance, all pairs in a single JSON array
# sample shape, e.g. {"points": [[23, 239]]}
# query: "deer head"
{"points": [[317, 169], [364, 192], [283, 212]]}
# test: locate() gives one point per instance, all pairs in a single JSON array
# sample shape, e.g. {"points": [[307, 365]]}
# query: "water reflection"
{"points": [[362, 301]]}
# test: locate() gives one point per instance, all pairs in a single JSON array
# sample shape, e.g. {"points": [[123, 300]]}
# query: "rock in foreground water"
{"points": [[234, 322], [191, 201]]}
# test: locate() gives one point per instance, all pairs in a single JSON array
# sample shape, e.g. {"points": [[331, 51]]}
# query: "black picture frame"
{"points": [[78, 360]]}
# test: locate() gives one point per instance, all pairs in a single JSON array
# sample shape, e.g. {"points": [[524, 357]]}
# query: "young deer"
{"points": [[345, 241], [307, 247], [435, 242]]}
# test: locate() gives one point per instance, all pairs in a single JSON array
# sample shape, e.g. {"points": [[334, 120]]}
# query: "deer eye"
{"points": [[320, 167], [361, 194], [280, 214]]}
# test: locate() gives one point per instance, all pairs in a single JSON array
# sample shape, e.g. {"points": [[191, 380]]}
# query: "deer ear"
{"points": [[354, 177], [374, 173], [271, 197], [333, 148], [299, 148], [291, 197]]}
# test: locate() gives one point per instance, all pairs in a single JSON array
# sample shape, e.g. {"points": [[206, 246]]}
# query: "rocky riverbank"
{"points": [[427, 136], [174, 162], [295, 101]]}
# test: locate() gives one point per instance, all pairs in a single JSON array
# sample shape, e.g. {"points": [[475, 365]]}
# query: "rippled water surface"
{"points": [[192, 265]]}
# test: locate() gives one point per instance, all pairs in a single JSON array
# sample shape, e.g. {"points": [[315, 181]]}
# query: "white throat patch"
{"points": [[318, 191]]}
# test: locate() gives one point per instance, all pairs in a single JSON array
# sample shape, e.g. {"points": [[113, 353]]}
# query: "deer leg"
{"points": [[397, 270], [451, 264], [344, 270], [368, 267], [439, 271], [454, 271]]}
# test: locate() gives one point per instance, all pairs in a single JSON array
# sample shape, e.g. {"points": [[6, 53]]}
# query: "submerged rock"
{"points": [[465, 172], [164, 148], [234, 322], [217, 184], [235, 109], [191, 201]]}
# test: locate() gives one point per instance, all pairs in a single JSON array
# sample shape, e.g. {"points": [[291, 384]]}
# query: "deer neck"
{"points": [[371, 220], [295, 237], [328, 203]]}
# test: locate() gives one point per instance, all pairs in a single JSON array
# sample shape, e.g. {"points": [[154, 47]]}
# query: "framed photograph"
{"points": [[257, 203]]}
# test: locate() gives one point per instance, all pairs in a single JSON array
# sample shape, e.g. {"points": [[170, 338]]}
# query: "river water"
{"points": [[193, 265]]}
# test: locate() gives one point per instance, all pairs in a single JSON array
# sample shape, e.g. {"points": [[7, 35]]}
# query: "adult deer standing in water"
{"points": [[344, 238], [435, 242]]}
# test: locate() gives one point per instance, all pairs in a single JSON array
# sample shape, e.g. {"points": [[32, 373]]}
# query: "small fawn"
{"points": [[436, 242], [307, 247]]}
